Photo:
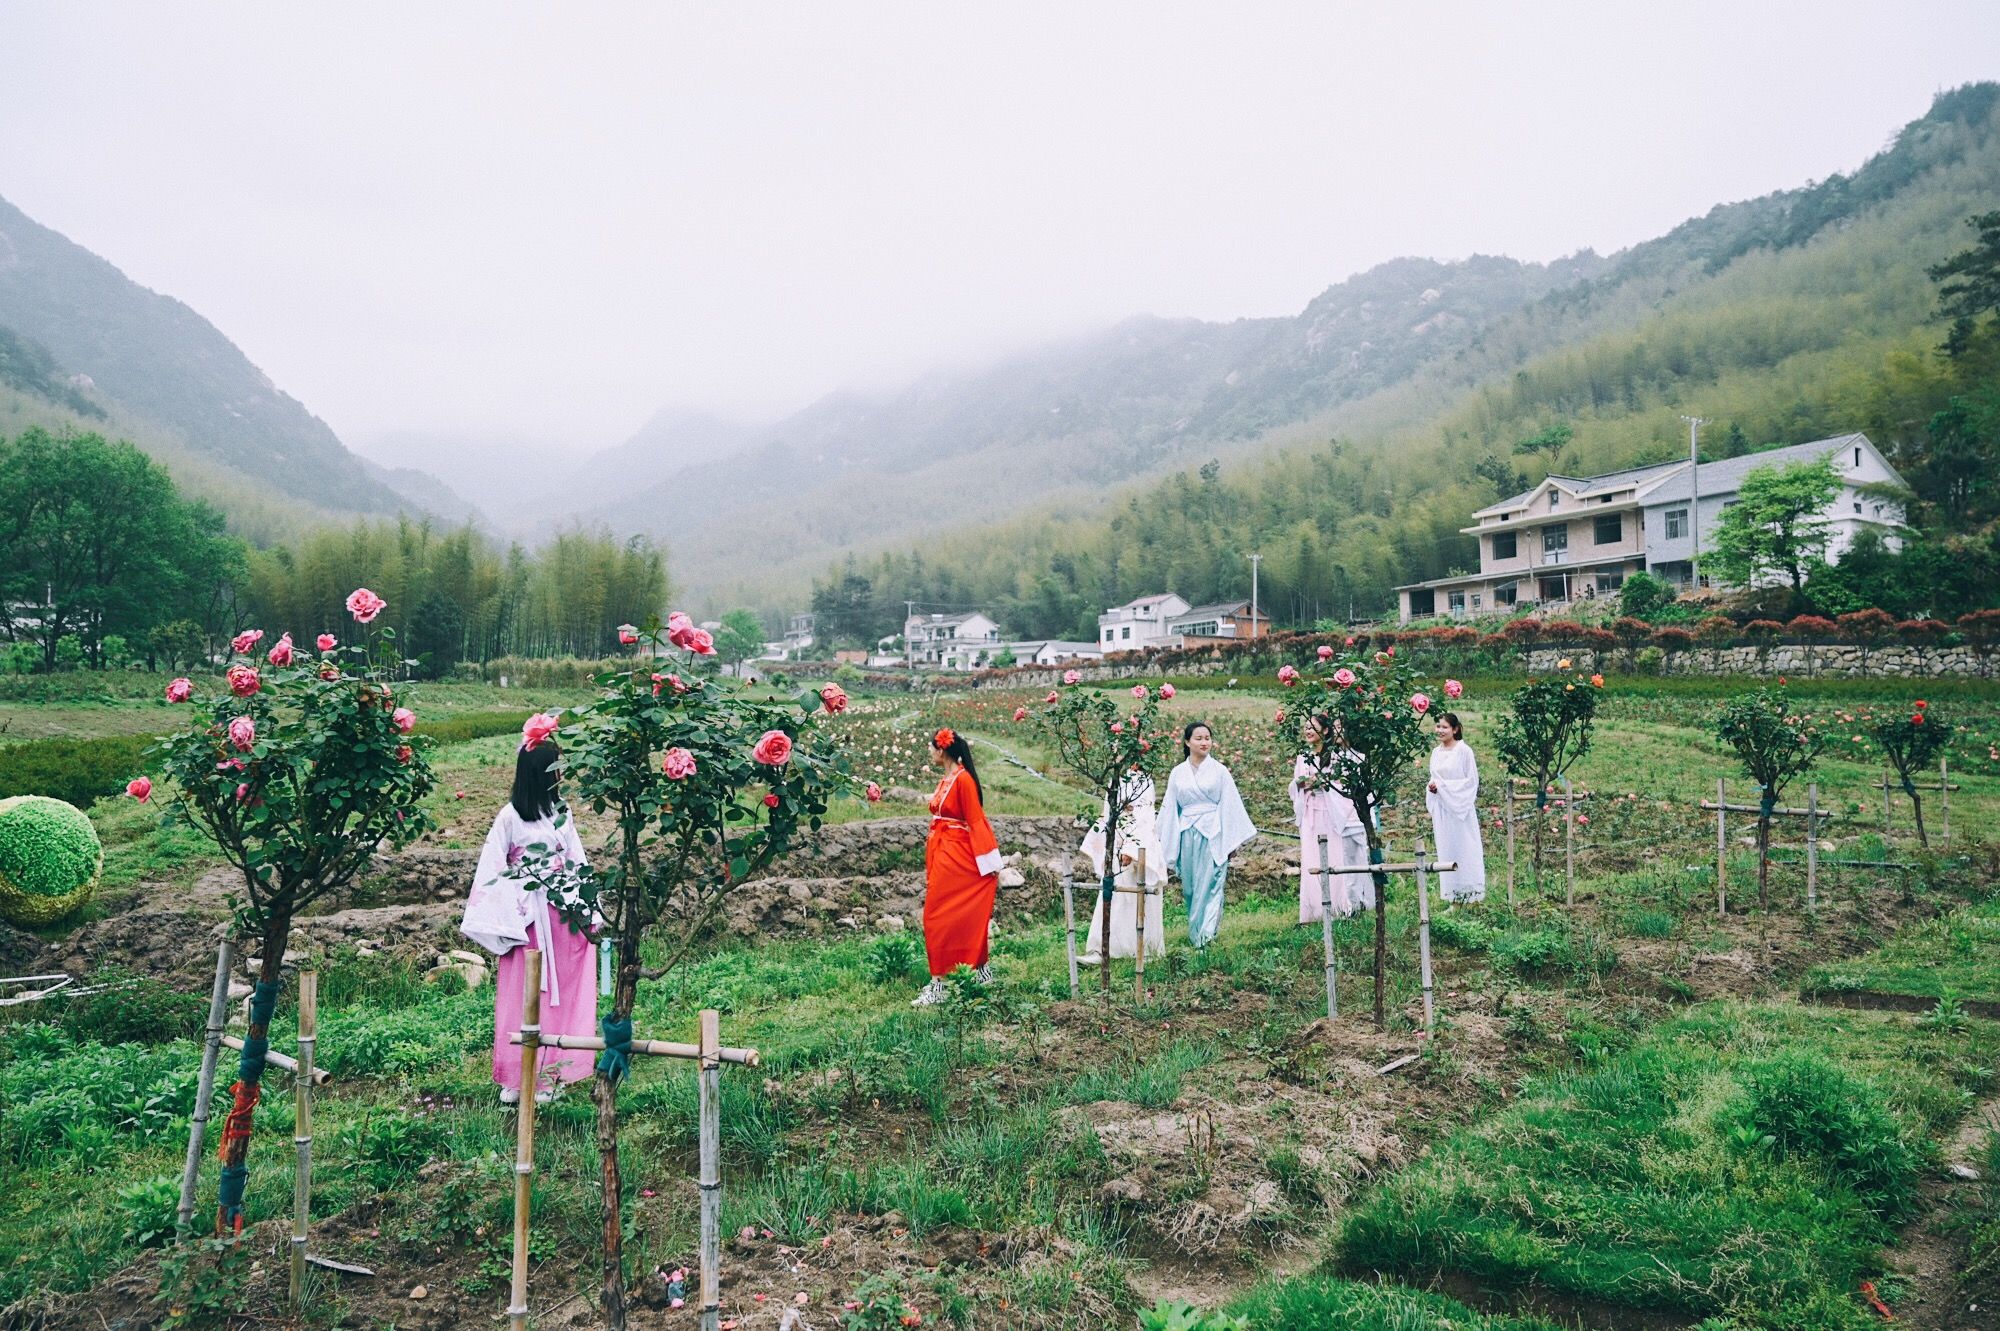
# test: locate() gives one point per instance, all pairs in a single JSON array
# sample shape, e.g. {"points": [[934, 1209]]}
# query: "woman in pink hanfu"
{"points": [[509, 912]]}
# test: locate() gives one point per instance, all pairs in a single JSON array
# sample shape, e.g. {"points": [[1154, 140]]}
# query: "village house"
{"points": [[1138, 625], [1574, 539], [966, 641], [1050, 651], [1224, 621]]}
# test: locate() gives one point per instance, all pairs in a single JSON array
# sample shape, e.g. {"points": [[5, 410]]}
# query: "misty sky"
{"points": [[551, 219]]}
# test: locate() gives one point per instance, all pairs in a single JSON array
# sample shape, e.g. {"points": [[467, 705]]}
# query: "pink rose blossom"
{"points": [[243, 680], [242, 792], [1344, 677], [1287, 676], [1117, 727], [180, 690], [243, 734], [1020, 713], [1166, 690], [403, 719], [364, 605], [1452, 688], [329, 672], [1420, 703], [326, 642], [403, 754], [1139, 691], [774, 749], [678, 764], [230, 765], [1072, 676], [245, 640], [701, 642], [539, 727], [1350, 640], [873, 792], [1325, 652], [1053, 697], [679, 625], [834, 699], [627, 635], [1280, 717], [281, 652], [139, 788]]}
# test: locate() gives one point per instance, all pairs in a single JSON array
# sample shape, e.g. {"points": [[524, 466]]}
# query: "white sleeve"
{"points": [[1236, 825], [495, 917]]}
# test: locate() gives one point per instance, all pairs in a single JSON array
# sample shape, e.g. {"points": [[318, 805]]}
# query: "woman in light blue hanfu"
{"points": [[1202, 820]]}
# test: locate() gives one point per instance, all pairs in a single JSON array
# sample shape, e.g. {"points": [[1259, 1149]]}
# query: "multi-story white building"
{"points": [[951, 642], [1575, 539], [1224, 621], [1138, 625]]}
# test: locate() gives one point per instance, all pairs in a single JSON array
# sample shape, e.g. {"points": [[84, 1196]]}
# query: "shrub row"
{"points": [[75, 770]]}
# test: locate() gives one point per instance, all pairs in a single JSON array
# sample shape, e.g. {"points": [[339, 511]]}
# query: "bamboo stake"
{"points": [[302, 1129], [748, 1058], [1105, 887], [1812, 846], [710, 1074], [1510, 853], [1569, 848], [1424, 939], [1139, 973], [529, 1039], [1721, 847], [211, 1047], [1409, 866], [1944, 792], [1885, 802], [1069, 929], [1326, 930], [283, 1062]]}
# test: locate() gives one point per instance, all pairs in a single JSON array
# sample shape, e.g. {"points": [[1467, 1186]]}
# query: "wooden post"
{"points": [[1885, 803], [1139, 973], [524, 1137], [1424, 938], [1569, 846], [1944, 794], [1509, 810], [711, 1169], [211, 1048], [1069, 929], [1326, 930], [1812, 845], [1721, 848], [302, 1128]]}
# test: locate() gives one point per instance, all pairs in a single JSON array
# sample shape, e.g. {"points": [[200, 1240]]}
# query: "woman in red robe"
{"points": [[961, 869]]}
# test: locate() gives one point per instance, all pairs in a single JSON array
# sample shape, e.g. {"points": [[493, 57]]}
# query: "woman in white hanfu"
{"points": [[1138, 835], [1330, 814], [1453, 799], [1202, 821]]}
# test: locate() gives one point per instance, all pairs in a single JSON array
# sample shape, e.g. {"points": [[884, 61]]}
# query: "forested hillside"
{"points": [[1791, 317]]}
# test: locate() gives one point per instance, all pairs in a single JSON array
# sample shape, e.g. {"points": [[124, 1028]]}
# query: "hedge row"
{"points": [[75, 770]]}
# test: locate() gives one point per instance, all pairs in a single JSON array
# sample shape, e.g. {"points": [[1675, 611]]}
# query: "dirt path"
{"points": [[1931, 1254]]}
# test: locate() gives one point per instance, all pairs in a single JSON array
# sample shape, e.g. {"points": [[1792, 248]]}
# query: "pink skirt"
{"points": [[572, 955]]}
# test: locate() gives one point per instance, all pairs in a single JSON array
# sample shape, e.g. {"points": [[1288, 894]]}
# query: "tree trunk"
{"points": [[1381, 925], [605, 1093], [1917, 809], [250, 1075], [1764, 861]]}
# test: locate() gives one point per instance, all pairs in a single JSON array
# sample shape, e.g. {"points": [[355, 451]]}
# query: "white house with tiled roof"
{"points": [[1140, 624], [1575, 538]]}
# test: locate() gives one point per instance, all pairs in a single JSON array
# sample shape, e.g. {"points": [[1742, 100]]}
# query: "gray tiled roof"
{"points": [[1726, 475], [1218, 608]]}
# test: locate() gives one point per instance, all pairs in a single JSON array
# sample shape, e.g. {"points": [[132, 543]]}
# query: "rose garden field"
{"points": [[1635, 1112]]}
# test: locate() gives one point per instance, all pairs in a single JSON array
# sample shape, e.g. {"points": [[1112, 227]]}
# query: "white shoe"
{"points": [[932, 993], [509, 1096], [1091, 959], [984, 974], [544, 1097]]}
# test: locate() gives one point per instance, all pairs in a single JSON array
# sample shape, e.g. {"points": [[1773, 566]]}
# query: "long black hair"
{"points": [[1187, 733], [961, 752], [534, 796], [1457, 727]]}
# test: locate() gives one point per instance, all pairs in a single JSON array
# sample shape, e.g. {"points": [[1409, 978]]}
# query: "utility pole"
{"points": [[909, 652], [1694, 489], [1253, 594]]}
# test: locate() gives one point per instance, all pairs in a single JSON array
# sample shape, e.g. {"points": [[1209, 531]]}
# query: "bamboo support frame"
{"points": [[1139, 967], [1510, 853], [529, 1038], [211, 1050], [282, 1062], [1569, 848], [1944, 792], [1812, 846], [1410, 866], [302, 1130], [748, 1058], [1721, 846], [1424, 940], [711, 1169], [1069, 929], [1775, 813], [1326, 931]]}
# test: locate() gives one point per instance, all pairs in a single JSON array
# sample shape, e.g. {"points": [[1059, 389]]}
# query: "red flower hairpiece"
{"points": [[943, 738]]}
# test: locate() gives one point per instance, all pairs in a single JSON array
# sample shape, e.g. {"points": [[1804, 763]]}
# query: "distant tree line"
{"points": [[104, 563]]}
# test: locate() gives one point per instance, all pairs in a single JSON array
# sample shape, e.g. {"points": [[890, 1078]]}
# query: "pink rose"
{"points": [[678, 764], [180, 690], [242, 792], [1280, 717], [679, 626], [364, 605], [1344, 677], [774, 749], [139, 788], [1452, 688], [834, 699], [1381, 658], [281, 652], [1053, 697], [1139, 691], [329, 672], [1072, 676], [701, 642], [1325, 652], [1350, 640], [1166, 690], [873, 792], [404, 719], [326, 642], [230, 765], [245, 640], [243, 733], [658, 682], [403, 754], [1117, 727], [1287, 676], [539, 727], [627, 634], [1020, 713], [1420, 703], [243, 680]]}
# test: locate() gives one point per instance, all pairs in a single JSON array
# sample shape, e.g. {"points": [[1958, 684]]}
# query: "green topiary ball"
{"points": [[49, 859]]}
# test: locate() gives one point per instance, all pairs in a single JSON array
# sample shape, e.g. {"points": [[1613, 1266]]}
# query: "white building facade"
{"points": [[967, 641], [1139, 625]]}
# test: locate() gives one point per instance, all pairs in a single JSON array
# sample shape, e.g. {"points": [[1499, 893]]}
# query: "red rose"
{"points": [[770, 801], [874, 793], [139, 788]]}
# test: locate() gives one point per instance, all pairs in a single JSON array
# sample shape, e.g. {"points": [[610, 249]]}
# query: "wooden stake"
{"points": [[302, 1129], [1069, 929], [1105, 888], [1944, 790], [1424, 939], [524, 1136], [1721, 847], [1569, 848], [1326, 930], [1510, 852], [1812, 846], [1885, 802], [211, 1048], [1139, 973], [711, 1169]]}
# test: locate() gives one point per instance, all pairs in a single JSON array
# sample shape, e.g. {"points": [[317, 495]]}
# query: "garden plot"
{"points": [[1953, 961]]}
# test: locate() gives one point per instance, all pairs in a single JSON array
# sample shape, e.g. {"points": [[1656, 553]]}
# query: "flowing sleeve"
{"points": [[1236, 825], [985, 846], [1169, 824], [1146, 831], [1093, 841], [496, 915], [1459, 792], [1299, 797]]}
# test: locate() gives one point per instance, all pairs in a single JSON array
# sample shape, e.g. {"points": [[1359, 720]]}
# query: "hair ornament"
{"points": [[944, 738]]}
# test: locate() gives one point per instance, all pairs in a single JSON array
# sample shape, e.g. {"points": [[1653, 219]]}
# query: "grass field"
{"points": [[1624, 1108]]}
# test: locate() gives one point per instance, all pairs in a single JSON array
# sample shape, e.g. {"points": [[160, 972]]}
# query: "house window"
{"points": [[1504, 545], [1608, 583], [1457, 602], [1506, 593], [1878, 510], [1109, 634], [1125, 632], [1857, 455], [1555, 589], [1611, 529], [1423, 602], [1677, 524], [1555, 540], [1555, 500], [1857, 506], [1475, 600]]}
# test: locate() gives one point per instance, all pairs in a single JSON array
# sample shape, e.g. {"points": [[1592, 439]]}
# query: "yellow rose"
{"points": [[1563, 664]]}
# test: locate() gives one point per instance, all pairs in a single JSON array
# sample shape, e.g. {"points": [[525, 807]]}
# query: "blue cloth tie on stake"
{"points": [[250, 1066], [616, 1060]]}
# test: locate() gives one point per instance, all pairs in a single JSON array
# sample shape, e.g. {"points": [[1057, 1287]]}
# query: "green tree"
{"points": [[1547, 443], [1962, 463], [1776, 525], [1546, 730], [1912, 743], [1643, 596], [436, 635], [740, 638], [1969, 281], [1776, 745]]}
